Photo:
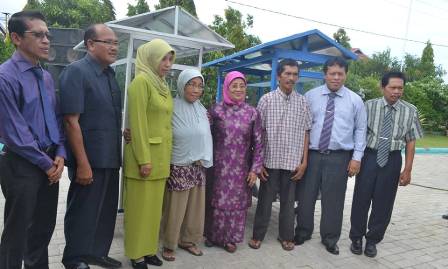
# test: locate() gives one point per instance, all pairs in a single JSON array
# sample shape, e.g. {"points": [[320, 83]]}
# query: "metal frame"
{"points": [[200, 46], [271, 52]]}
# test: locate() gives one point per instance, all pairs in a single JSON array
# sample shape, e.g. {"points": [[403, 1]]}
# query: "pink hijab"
{"points": [[229, 78]]}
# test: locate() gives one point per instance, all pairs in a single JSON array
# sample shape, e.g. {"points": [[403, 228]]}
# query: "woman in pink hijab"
{"points": [[237, 153]]}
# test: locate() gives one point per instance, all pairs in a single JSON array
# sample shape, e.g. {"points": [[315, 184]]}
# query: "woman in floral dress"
{"points": [[237, 142]]}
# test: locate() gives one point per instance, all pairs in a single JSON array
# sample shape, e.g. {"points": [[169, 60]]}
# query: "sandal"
{"points": [[230, 247], [255, 244], [168, 254], [192, 249], [286, 245]]}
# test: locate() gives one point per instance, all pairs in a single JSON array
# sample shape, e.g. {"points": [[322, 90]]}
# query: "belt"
{"points": [[50, 150], [329, 151]]}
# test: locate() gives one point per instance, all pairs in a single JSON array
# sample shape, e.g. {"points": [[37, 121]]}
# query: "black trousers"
{"points": [[90, 217], [279, 181], [327, 172], [30, 213], [376, 186]]}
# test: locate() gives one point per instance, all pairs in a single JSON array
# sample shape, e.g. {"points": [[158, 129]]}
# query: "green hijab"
{"points": [[148, 59]]}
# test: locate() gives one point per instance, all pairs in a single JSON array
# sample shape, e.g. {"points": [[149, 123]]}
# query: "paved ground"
{"points": [[417, 236]]}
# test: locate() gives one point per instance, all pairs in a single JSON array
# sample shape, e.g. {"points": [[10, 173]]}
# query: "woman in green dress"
{"points": [[147, 156]]}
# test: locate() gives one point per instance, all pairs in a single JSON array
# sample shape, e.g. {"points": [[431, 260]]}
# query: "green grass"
{"points": [[432, 141]]}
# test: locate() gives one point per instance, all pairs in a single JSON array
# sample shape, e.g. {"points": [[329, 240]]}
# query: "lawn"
{"points": [[432, 141]]}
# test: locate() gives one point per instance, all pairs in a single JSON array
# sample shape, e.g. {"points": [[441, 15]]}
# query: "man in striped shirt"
{"points": [[337, 143], [392, 124]]}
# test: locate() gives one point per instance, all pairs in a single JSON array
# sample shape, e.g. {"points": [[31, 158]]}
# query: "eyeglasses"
{"points": [[107, 42], [200, 86], [40, 35]]}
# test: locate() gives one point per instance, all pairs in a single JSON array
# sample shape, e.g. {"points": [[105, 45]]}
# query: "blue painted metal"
{"points": [[266, 46], [305, 45], [301, 47], [311, 74], [255, 72], [274, 73], [302, 56], [219, 91], [257, 60]]}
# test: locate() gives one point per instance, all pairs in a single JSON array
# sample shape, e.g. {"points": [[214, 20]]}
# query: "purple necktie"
{"points": [[325, 135], [49, 114]]}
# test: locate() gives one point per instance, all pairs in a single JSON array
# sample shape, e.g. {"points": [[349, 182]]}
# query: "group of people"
{"points": [[188, 171]]}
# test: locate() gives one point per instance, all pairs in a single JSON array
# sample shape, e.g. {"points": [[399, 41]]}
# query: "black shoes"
{"points": [[332, 249], [153, 260], [106, 262], [370, 250], [299, 240], [356, 247], [445, 216], [77, 265], [139, 265]]}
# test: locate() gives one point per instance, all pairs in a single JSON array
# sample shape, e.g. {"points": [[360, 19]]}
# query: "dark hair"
{"points": [[392, 74], [283, 63], [17, 23], [336, 61], [90, 33]]}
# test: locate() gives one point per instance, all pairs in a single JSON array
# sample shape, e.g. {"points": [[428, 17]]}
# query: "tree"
{"points": [[32, 4], [342, 38], [139, 8], [188, 5], [73, 13], [109, 8], [6, 49], [232, 27]]}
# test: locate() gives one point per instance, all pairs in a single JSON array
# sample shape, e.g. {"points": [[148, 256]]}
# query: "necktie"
{"points": [[49, 115], [325, 135], [385, 138]]}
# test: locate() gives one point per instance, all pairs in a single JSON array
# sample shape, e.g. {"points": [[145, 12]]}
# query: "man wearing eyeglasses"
{"points": [[91, 104], [32, 159]]}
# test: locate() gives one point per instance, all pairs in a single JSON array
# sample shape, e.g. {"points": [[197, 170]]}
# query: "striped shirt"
{"points": [[285, 120], [405, 123], [349, 125]]}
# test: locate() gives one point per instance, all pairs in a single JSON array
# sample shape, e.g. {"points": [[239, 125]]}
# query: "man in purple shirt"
{"points": [[32, 160]]}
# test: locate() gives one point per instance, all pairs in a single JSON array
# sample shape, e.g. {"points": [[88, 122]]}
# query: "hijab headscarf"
{"points": [[192, 139], [148, 59], [226, 91]]}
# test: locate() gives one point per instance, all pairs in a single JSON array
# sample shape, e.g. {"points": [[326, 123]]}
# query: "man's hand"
{"points": [[84, 175], [299, 171], [353, 168], [59, 163], [264, 174], [52, 173], [251, 179], [405, 177], [145, 170], [127, 135]]}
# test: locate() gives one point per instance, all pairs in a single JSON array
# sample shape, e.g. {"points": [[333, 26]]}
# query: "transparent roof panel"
{"points": [[123, 41], [163, 24], [154, 21], [164, 21], [184, 55]]}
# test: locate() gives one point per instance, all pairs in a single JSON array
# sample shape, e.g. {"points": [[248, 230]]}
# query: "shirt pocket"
{"points": [[155, 140]]}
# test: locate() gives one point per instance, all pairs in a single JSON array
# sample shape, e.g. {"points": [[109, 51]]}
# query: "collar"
{"points": [[395, 106], [97, 66], [22, 63], [326, 91], [285, 96]]}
